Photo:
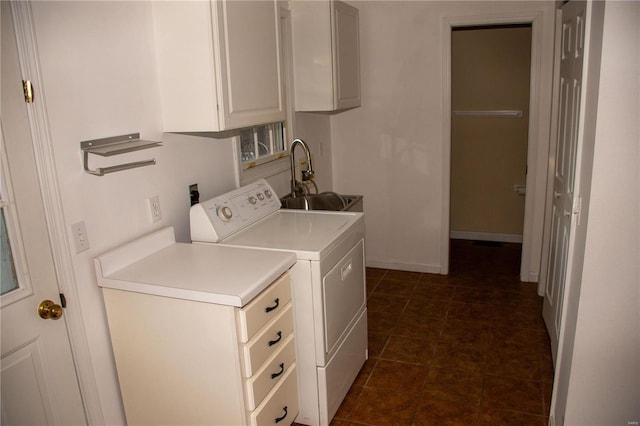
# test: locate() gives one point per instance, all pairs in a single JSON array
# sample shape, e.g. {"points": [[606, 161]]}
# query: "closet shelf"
{"points": [[116, 145], [488, 113]]}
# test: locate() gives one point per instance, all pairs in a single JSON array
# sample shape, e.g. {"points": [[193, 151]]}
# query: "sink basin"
{"points": [[321, 201]]}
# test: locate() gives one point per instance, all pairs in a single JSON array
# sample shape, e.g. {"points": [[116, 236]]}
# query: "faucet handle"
{"points": [[307, 174]]}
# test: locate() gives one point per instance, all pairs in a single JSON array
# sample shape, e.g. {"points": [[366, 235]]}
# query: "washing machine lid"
{"points": [[310, 234]]}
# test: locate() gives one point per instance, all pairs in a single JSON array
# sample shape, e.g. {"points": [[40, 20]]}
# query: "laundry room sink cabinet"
{"points": [[219, 64], [194, 352]]}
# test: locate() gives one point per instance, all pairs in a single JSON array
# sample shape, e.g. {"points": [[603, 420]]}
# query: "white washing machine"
{"points": [[328, 280]]}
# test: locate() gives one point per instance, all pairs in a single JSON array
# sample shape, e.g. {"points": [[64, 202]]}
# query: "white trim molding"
{"points": [[403, 266], [486, 236], [542, 22]]}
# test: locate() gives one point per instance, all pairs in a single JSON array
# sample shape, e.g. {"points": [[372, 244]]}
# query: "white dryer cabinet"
{"points": [[195, 352]]}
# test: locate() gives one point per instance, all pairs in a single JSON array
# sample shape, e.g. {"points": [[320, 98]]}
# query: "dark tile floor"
{"points": [[469, 348]]}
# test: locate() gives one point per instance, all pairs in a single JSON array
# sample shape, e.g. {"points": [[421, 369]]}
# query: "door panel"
{"points": [[38, 381], [24, 403], [565, 202], [343, 295], [252, 73]]}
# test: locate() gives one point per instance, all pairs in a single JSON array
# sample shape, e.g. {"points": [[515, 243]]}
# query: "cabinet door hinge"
{"points": [[27, 88]]}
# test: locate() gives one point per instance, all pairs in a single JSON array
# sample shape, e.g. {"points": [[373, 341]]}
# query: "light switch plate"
{"points": [[80, 238]]}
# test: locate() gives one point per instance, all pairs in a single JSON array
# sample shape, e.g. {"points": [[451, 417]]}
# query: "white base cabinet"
{"points": [[326, 55], [186, 362], [219, 64]]}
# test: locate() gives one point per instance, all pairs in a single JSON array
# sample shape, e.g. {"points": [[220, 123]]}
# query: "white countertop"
{"points": [[209, 273]]}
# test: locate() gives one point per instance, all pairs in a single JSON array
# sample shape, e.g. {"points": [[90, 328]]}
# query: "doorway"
{"points": [[490, 86], [541, 71]]}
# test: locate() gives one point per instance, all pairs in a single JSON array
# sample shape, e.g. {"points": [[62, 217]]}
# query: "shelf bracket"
{"points": [[115, 145]]}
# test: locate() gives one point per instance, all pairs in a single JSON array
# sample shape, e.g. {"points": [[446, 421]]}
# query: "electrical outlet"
{"points": [[154, 207], [194, 194], [79, 232]]}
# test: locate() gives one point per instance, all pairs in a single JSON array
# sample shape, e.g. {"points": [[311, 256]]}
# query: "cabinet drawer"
{"points": [[271, 373], [281, 405], [267, 342], [263, 308]]}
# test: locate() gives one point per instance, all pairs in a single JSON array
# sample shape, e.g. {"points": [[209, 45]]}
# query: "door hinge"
{"points": [[27, 88], [577, 209]]}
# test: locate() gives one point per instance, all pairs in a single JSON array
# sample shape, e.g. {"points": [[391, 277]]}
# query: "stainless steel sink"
{"points": [[322, 201]]}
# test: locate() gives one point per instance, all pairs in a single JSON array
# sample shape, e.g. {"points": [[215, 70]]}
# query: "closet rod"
{"points": [[489, 113]]}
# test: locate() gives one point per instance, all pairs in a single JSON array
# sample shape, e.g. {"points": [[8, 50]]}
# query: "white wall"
{"points": [[392, 148], [604, 371], [99, 80], [315, 130]]}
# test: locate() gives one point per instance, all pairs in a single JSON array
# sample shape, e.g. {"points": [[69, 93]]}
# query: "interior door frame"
{"points": [[538, 134], [53, 209]]}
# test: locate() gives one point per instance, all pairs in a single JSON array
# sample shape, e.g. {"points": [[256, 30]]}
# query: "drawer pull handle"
{"points": [[279, 419], [274, 375], [273, 342], [271, 308]]}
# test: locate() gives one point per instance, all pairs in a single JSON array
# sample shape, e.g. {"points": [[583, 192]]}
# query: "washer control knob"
{"points": [[260, 196], [268, 193], [225, 213], [252, 200]]}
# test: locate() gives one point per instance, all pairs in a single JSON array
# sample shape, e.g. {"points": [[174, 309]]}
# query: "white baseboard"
{"points": [[486, 236], [400, 266]]}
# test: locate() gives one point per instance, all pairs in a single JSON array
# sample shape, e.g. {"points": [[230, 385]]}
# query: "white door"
{"points": [[38, 382], [565, 206], [346, 87]]}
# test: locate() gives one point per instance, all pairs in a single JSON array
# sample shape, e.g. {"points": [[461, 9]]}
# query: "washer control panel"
{"points": [[219, 217]]}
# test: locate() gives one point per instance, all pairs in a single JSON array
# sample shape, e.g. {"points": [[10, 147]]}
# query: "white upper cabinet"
{"points": [[219, 64], [326, 55]]}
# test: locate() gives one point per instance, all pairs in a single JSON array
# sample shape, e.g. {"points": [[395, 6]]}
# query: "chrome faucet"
{"points": [[297, 187]]}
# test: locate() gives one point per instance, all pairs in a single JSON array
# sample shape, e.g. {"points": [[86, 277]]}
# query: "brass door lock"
{"points": [[49, 310]]}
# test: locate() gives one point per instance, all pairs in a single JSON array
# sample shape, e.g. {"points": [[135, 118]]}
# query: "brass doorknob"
{"points": [[47, 309]]}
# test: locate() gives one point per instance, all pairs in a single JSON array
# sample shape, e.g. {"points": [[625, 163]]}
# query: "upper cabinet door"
{"points": [[219, 64], [326, 55], [346, 48]]}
